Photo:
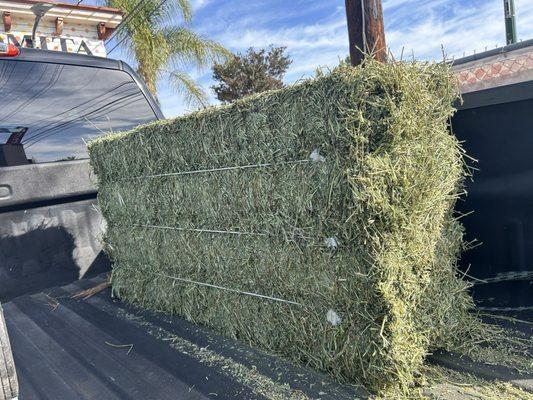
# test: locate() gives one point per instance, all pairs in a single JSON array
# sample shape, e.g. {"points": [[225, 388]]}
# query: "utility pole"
{"points": [[366, 30], [510, 21]]}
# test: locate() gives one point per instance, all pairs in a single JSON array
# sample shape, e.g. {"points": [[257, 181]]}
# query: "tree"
{"points": [[158, 37], [253, 72]]}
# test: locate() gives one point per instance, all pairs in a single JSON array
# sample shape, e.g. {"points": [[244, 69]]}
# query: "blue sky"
{"points": [[314, 31]]}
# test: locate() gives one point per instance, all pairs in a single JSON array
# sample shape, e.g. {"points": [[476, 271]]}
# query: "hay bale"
{"points": [[343, 216]]}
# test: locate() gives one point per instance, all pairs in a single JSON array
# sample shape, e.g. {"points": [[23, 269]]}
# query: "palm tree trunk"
{"points": [[148, 78]]}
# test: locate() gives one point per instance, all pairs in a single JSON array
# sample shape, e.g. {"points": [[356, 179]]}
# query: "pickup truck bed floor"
{"points": [[102, 348]]}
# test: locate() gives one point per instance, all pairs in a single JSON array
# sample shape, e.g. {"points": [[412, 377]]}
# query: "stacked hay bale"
{"points": [[315, 221]]}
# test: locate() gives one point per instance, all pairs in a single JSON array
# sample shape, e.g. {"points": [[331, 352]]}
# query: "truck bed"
{"points": [[102, 348]]}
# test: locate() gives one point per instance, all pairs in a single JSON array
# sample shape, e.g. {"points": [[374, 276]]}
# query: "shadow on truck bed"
{"points": [[48, 261]]}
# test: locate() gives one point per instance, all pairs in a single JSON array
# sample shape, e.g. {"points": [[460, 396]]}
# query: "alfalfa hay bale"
{"points": [[333, 199]]}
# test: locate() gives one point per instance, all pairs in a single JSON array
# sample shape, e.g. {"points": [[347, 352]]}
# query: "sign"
{"points": [[72, 28], [69, 44]]}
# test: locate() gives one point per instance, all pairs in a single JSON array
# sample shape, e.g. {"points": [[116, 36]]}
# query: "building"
{"points": [[62, 26], [500, 67]]}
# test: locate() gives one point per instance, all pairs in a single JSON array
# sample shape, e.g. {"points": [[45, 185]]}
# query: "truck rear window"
{"points": [[52, 109]]}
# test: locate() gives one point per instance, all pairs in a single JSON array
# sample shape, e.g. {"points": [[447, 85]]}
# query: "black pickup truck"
{"points": [[65, 343]]}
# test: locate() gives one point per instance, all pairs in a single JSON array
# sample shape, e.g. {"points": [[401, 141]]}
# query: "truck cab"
{"points": [[56, 102]]}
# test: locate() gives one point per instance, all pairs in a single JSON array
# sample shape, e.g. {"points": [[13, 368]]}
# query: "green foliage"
{"points": [[253, 72], [366, 233], [158, 37]]}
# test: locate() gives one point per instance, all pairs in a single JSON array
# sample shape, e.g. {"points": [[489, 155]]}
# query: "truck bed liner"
{"points": [[102, 348]]}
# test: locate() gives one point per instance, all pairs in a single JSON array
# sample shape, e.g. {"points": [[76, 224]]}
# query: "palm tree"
{"points": [[158, 37]]}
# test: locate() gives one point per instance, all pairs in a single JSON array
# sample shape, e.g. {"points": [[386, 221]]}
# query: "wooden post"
{"points": [[8, 376], [104, 32], [366, 30], [59, 26], [6, 17]]}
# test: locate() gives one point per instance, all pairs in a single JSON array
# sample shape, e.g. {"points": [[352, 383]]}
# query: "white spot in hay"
{"points": [[316, 157], [331, 242], [333, 318]]}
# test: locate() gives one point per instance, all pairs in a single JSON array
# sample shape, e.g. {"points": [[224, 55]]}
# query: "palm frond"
{"points": [[183, 84], [185, 46], [181, 8], [171, 13], [153, 38]]}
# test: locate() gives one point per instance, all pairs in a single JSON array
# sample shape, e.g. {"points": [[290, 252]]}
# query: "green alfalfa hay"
{"points": [[386, 193]]}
